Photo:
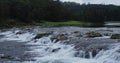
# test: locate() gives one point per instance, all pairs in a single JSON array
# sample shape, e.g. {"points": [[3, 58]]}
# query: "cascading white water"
{"points": [[51, 52]]}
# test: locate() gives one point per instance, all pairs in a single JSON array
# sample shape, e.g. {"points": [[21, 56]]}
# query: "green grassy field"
{"points": [[65, 23], [15, 23]]}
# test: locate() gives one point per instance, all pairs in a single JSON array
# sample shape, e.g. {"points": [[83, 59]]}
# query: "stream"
{"points": [[18, 45]]}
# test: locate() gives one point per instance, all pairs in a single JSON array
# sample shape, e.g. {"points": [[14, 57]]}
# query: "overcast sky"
{"points": [[116, 2]]}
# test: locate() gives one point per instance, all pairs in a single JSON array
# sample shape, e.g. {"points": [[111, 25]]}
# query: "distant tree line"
{"points": [[29, 11]]}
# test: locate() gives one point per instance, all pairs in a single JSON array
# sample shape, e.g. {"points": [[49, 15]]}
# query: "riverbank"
{"points": [[11, 24]]}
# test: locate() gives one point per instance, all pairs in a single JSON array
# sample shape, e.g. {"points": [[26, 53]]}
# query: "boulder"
{"points": [[55, 50], [93, 34], [38, 36], [115, 36], [60, 37], [20, 32], [6, 57], [76, 34]]}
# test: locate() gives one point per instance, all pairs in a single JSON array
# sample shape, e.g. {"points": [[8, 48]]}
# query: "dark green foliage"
{"points": [[30, 11]]}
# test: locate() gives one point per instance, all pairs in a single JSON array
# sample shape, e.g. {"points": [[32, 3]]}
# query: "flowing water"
{"points": [[25, 49], [112, 24]]}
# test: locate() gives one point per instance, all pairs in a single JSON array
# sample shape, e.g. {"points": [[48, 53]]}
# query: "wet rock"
{"points": [[87, 54], [115, 36], [60, 37], [94, 53], [80, 54], [55, 50], [42, 35], [77, 54], [118, 51], [3, 30], [20, 32], [76, 34], [91, 49], [28, 29], [7, 57], [92, 34], [107, 34], [118, 40]]}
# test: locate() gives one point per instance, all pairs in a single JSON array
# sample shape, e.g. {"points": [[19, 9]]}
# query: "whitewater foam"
{"points": [[51, 52]]}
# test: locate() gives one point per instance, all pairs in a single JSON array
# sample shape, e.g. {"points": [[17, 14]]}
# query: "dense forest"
{"points": [[29, 11]]}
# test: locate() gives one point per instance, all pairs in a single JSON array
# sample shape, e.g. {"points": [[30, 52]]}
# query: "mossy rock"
{"points": [[60, 37], [76, 34], [38, 36], [93, 34], [115, 36]]}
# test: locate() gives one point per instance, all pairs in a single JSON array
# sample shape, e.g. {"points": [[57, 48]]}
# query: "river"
{"points": [[17, 45]]}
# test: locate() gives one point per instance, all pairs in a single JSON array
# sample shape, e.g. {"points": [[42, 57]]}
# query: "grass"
{"points": [[65, 23], [17, 23]]}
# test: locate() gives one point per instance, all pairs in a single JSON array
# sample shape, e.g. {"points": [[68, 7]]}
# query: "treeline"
{"points": [[29, 11]]}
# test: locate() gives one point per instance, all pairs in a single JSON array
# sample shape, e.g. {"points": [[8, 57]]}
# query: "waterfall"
{"points": [[90, 54]]}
